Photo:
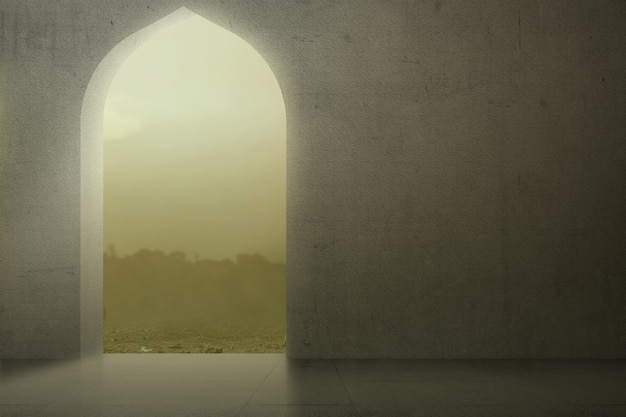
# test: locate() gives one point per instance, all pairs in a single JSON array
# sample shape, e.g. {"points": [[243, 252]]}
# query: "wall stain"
{"points": [[305, 39], [87, 38], [16, 29], [406, 60], [51, 33], [519, 29], [67, 271], [323, 246], [502, 103], [1, 30]]}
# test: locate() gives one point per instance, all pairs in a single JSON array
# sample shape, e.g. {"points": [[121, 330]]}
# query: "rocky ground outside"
{"points": [[160, 337]]}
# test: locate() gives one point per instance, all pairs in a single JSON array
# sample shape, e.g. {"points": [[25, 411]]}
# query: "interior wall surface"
{"points": [[456, 182]]}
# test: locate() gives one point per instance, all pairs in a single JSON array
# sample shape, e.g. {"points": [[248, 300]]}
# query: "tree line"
{"points": [[157, 286]]}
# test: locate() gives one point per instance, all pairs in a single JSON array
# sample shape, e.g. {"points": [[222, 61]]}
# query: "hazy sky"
{"points": [[194, 148]]}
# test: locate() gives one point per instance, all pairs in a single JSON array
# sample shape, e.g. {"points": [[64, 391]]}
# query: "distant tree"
{"points": [[111, 251]]}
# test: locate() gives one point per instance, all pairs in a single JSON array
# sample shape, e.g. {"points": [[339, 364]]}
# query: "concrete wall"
{"points": [[456, 173]]}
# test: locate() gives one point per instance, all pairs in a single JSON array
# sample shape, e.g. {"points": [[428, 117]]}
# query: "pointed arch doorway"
{"points": [[187, 133]]}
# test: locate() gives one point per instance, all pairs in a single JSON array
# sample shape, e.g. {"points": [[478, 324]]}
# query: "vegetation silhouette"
{"points": [[168, 292]]}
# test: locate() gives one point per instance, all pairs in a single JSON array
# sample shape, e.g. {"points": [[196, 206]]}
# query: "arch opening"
{"points": [[183, 133]]}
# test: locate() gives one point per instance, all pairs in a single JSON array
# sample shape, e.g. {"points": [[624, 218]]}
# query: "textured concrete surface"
{"points": [[456, 173], [197, 385]]}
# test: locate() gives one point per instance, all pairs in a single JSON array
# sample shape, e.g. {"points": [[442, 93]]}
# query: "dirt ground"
{"points": [[160, 337]]}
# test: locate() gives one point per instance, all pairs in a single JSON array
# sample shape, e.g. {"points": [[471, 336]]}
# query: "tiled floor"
{"points": [[176, 385]]}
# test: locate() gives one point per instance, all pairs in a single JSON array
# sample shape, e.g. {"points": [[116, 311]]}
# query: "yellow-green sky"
{"points": [[194, 148]]}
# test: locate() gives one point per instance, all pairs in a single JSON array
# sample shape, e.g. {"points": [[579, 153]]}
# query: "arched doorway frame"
{"points": [[91, 180]]}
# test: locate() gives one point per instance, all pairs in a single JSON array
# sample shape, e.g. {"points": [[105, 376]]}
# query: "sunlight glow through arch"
{"points": [[205, 172]]}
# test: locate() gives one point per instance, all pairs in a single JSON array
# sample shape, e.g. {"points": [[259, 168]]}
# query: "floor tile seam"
{"points": [[127, 371], [26, 379], [261, 384], [301, 405], [99, 404], [51, 399], [400, 411], [345, 388], [78, 392], [145, 392], [394, 380], [577, 378], [533, 364], [36, 406], [579, 404], [527, 387], [92, 387]]}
